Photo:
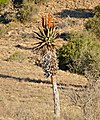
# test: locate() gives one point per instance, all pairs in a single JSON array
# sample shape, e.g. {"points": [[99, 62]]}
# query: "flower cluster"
{"points": [[47, 24]]}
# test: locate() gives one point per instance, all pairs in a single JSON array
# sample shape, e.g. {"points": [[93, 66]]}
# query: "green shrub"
{"points": [[97, 10], [79, 54], [4, 1], [93, 24]]}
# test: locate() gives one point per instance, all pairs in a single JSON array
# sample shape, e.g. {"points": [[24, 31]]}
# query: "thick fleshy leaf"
{"points": [[36, 33], [42, 32]]}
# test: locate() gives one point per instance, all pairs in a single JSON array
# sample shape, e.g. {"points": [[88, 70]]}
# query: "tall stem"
{"points": [[56, 97]]}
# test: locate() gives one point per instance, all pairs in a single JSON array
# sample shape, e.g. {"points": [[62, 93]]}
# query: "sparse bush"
{"points": [[93, 24], [79, 54], [8, 13], [19, 10], [17, 56], [23, 12], [87, 100], [26, 12], [4, 29]]}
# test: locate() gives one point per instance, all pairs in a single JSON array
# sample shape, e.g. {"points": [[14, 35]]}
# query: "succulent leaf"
{"points": [[42, 32]]}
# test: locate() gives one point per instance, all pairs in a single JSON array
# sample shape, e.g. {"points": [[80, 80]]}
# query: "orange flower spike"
{"points": [[53, 24], [43, 22], [49, 20]]}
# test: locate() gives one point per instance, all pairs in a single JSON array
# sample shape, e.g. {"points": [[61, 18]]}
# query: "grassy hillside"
{"points": [[25, 94]]}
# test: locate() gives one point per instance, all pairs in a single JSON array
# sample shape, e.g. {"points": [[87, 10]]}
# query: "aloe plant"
{"points": [[47, 35]]}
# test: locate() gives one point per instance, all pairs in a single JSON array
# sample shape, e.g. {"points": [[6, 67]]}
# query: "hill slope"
{"points": [[25, 94]]}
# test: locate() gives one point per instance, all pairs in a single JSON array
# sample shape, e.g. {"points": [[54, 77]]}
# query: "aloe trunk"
{"points": [[56, 97]]}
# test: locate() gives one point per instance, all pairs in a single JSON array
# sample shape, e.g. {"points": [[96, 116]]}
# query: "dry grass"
{"points": [[24, 92], [26, 95]]}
